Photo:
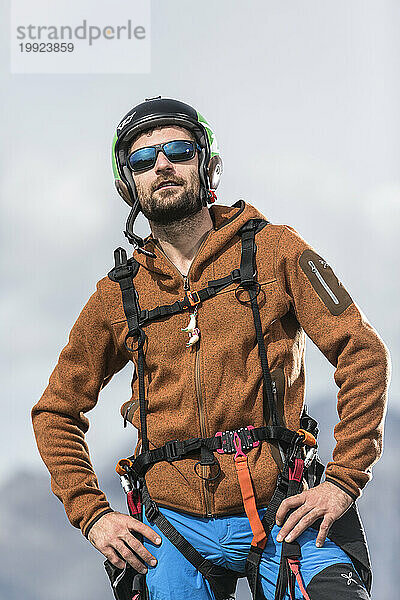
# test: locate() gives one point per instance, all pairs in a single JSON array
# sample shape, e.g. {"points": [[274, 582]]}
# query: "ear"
{"points": [[214, 171], [123, 191]]}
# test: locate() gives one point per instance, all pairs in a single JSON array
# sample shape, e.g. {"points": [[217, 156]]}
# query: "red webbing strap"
{"points": [[294, 565], [296, 472], [134, 503], [247, 490]]}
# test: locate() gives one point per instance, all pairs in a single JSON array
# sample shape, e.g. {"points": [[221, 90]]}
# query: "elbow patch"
{"points": [[325, 282]]}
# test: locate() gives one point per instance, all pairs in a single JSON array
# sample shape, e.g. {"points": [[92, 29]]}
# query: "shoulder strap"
{"points": [[123, 273], [248, 282]]}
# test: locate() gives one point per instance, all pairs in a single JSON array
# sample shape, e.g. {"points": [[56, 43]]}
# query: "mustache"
{"points": [[168, 180]]}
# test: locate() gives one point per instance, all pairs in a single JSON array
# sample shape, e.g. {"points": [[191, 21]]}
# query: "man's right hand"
{"points": [[111, 535]]}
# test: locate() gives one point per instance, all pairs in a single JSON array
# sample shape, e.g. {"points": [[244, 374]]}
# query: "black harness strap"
{"points": [[248, 281], [213, 287], [284, 487], [223, 581], [124, 272]]}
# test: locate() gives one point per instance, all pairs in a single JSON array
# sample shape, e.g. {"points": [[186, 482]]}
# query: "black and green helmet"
{"points": [[156, 112]]}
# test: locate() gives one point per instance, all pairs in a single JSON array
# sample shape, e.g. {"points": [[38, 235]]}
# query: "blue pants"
{"points": [[226, 542]]}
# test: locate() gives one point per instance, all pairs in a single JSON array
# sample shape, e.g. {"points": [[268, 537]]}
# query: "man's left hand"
{"points": [[326, 501]]}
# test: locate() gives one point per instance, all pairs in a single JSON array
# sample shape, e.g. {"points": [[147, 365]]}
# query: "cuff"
{"points": [[93, 521], [339, 485]]}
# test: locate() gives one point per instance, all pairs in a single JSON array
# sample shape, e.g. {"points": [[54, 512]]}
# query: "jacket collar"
{"points": [[227, 220]]}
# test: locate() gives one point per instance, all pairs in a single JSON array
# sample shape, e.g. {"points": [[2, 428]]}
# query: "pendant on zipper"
{"points": [[192, 329]]}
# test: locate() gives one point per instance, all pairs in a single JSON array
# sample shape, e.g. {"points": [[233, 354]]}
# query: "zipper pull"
{"points": [[186, 285]]}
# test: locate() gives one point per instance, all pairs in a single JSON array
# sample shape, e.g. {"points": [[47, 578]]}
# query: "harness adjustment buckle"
{"points": [[235, 274], [192, 298], [121, 272], [282, 483], [227, 439], [171, 450], [144, 316], [151, 510]]}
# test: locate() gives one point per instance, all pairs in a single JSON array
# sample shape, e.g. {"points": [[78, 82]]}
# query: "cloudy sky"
{"points": [[304, 98]]}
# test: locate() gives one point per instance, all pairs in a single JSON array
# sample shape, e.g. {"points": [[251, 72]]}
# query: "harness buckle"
{"points": [[143, 316], [122, 271], [282, 483], [151, 510], [235, 274], [192, 298], [227, 439], [171, 450]]}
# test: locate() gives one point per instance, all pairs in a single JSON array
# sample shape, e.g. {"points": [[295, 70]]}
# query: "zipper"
{"points": [[200, 406], [199, 396], [323, 282]]}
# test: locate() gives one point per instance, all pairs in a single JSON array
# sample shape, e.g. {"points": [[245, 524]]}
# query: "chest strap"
{"points": [[146, 316]]}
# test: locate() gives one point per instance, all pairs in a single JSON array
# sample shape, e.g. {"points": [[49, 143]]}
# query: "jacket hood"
{"points": [[227, 220]]}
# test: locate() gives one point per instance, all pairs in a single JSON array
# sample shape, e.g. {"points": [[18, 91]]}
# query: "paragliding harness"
{"points": [[298, 450]]}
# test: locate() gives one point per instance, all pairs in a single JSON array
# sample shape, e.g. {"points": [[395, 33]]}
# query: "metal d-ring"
{"points": [[208, 478], [251, 285], [141, 338]]}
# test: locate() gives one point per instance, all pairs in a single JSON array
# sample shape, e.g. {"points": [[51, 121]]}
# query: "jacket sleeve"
{"points": [[335, 324], [85, 365]]}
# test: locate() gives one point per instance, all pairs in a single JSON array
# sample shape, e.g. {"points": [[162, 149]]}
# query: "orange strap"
{"points": [[249, 501]]}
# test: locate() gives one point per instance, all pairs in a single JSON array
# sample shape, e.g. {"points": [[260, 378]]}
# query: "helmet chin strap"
{"points": [[129, 195], [134, 239]]}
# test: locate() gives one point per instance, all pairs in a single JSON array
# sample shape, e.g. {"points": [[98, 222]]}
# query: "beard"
{"points": [[171, 205]]}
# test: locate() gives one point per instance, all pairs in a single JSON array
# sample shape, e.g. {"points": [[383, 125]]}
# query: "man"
{"points": [[250, 290]]}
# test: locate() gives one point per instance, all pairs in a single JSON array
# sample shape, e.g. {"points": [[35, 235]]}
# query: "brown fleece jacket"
{"points": [[216, 384]]}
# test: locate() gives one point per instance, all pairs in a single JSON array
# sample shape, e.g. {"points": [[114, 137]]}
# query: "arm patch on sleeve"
{"points": [[325, 282]]}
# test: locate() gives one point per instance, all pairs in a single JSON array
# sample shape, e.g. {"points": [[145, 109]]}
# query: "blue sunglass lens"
{"points": [[145, 158], [142, 159], [179, 151]]}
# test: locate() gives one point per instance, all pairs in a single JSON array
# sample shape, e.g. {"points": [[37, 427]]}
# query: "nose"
{"points": [[163, 164]]}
